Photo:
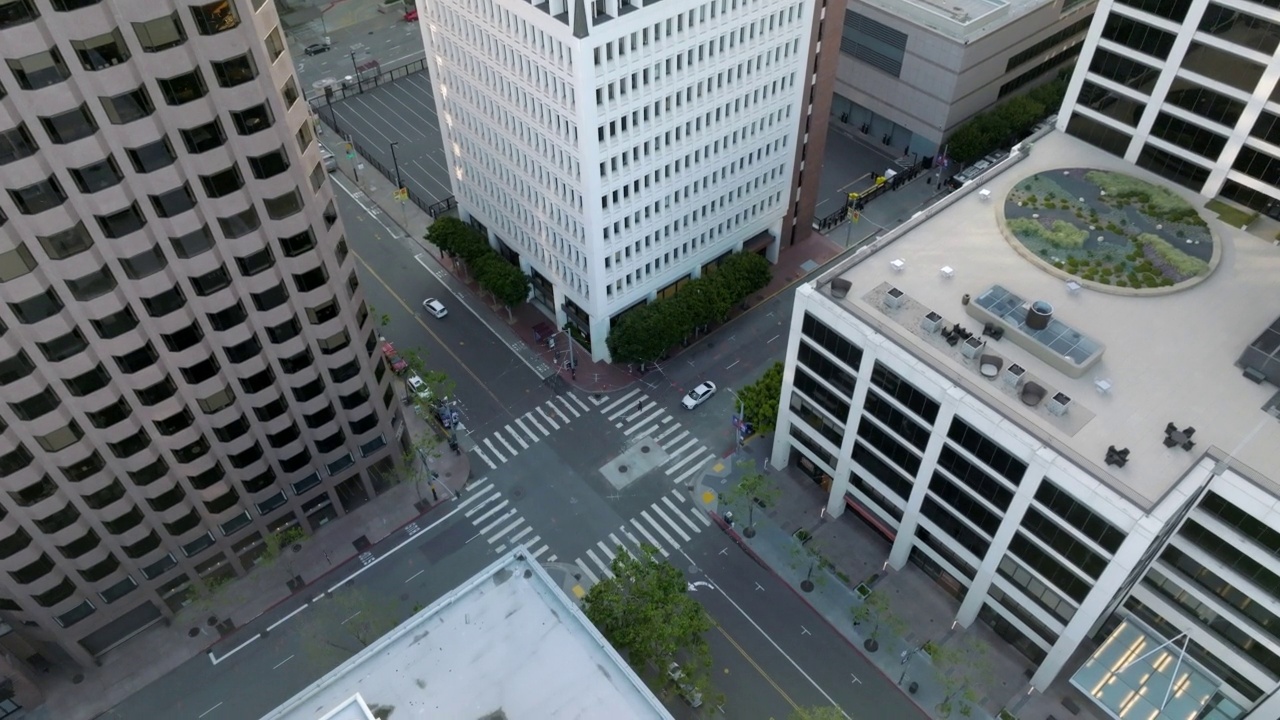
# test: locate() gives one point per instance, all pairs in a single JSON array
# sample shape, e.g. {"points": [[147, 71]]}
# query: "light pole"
{"points": [[356, 68], [396, 164], [741, 418]]}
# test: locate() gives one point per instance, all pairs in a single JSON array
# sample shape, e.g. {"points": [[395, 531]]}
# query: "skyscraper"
{"points": [[1186, 89], [617, 149], [186, 358]]}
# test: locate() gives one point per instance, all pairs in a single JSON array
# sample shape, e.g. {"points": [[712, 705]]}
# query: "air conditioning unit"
{"points": [[931, 322], [893, 298], [1058, 404], [1013, 375], [972, 347]]}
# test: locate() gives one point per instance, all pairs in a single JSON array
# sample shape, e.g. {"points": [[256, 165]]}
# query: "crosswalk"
{"points": [[522, 432], [638, 416], [500, 523], [667, 524]]}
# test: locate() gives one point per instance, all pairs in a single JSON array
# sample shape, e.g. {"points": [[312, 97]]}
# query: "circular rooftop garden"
{"points": [[1109, 229]]}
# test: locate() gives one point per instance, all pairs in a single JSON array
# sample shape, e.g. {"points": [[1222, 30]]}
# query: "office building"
{"points": [[912, 71], [508, 642], [1186, 89], [186, 359], [1105, 486], [616, 149]]}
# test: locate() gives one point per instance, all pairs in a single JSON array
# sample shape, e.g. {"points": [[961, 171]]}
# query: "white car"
{"points": [[435, 307], [418, 387], [687, 690], [698, 395]]}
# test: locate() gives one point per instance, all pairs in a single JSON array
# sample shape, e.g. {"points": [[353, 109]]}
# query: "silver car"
{"points": [[329, 159]]}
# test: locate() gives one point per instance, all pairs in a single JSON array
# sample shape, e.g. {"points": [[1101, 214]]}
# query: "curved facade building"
{"points": [[186, 359]]}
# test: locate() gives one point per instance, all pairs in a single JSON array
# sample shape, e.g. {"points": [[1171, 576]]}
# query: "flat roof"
{"points": [[962, 20], [506, 643], [1168, 358]]}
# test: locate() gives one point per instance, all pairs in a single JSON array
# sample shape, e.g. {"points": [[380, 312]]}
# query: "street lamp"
{"points": [[741, 417], [354, 66], [394, 162]]}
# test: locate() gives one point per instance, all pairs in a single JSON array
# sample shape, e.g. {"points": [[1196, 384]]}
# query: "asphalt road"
{"points": [[392, 43]]}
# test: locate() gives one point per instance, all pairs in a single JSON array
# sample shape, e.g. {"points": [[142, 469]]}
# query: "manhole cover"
{"points": [[645, 448], [193, 632], [212, 621], [517, 492], [622, 468]]}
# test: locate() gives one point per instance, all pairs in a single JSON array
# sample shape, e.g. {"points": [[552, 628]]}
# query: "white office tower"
{"points": [[619, 148]]}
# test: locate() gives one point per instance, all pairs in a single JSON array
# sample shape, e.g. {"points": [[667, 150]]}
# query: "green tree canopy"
{"points": [[751, 487], [997, 127], [819, 712], [645, 612], [760, 399]]}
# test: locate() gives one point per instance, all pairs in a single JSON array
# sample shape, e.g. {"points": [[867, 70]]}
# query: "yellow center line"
{"points": [[759, 669], [413, 314]]}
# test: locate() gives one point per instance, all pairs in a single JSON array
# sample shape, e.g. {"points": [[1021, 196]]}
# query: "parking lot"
{"points": [[400, 111]]}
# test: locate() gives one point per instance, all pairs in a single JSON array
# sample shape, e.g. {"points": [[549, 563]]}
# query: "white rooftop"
{"points": [[507, 643], [1168, 358], [961, 20]]}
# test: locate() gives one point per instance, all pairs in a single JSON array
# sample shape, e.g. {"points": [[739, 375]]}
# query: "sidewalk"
{"points": [[204, 622], [375, 192], [844, 552]]}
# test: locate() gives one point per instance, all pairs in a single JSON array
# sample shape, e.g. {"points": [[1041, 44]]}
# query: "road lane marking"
{"points": [[804, 630], [767, 678], [568, 407], [277, 665], [506, 444], [556, 408], [516, 538], [498, 535], [643, 423], [539, 551], [397, 548], [691, 456], [680, 450], [487, 499], [491, 511], [685, 476], [674, 525], [667, 501], [501, 519], [282, 620], [233, 651], [406, 581], [583, 567], [618, 402], [527, 431], [605, 548], [484, 457], [554, 425], [650, 538], [662, 528], [667, 445], [494, 449], [215, 707], [575, 399], [534, 422], [604, 566], [695, 512], [523, 445]]}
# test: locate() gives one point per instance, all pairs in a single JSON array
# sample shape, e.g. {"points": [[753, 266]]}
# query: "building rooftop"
{"points": [[506, 643], [1167, 358], [961, 20]]}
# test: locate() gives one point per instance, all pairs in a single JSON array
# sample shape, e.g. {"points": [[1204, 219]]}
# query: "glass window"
{"points": [[165, 302], [311, 279], [252, 120], [837, 406], [115, 324], [17, 12], [1258, 164], [193, 243], [182, 339], [228, 318], [296, 245], [152, 156], [69, 5], [987, 451], [270, 164], [948, 522], [835, 375], [157, 393], [35, 406], [95, 284], [215, 17], [212, 281], [104, 418], [1203, 101], [275, 44], [1124, 70], [1188, 136], [1113, 104], [101, 51], [1249, 31], [1174, 10], [16, 263], [38, 197], [174, 202], [1172, 167], [97, 176], [222, 183], [182, 89], [240, 352], [160, 34], [905, 393], [290, 92], [16, 144], [61, 438], [70, 126], [1222, 66], [235, 71], [217, 401], [255, 263], [1083, 557], [241, 223], [39, 70], [304, 137], [123, 222], [283, 206], [147, 262], [1138, 36], [268, 299], [139, 359], [895, 420], [16, 367], [1098, 134], [128, 106], [38, 307], [204, 137], [284, 331], [64, 346]]}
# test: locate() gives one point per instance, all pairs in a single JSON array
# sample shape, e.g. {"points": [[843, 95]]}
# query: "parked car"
{"points": [[698, 395], [418, 387], [411, 15], [686, 688], [397, 363], [329, 159], [316, 48], [435, 307]]}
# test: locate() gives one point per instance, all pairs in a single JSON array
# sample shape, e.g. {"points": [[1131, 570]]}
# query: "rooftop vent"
{"points": [[1118, 458], [1058, 404], [893, 298], [972, 347], [840, 288], [931, 322], [1013, 375], [1039, 313]]}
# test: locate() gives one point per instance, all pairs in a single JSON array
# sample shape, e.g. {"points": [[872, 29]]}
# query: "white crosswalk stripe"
{"points": [[498, 520], [554, 425], [527, 431], [587, 571], [639, 416], [493, 449], [510, 440], [658, 525]]}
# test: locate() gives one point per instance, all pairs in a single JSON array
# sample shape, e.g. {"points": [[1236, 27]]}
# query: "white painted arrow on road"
{"points": [[693, 586]]}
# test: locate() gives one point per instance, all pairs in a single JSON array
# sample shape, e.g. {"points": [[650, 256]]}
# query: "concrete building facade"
{"points": [[991, 463], [186, 358], [1186, 89], [616, 150], [911, 71]]}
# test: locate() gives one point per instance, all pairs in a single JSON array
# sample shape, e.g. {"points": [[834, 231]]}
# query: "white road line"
{"points": [[604, 566], [563, 418], [587, 571], [534, 422], [619, 401], [627, 534], [568, 406], [215, 707], [484, 457], [550, 559], [507, 445], [697, 513], [685, 475], [523, 445], [679, 451], [478, 490], [527, 431], [646, 432], [537, 552], [643, 422], [277, 665], [496, 508], [282, 620], [672, 523], [411, 577], [500, 549], [550, 421], [627, 410], [516, 538], [519, 521], [658, 527], [667, 501], [605, 548], [487, 499], [494, 449], [683, 434], [691, 456], [668, 431], [647, 536], [503, 518]]}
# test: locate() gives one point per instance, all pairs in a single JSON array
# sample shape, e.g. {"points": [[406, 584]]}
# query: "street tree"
{"points": [[381, 318], [760, 399], [818, 712], [643, 335], [448, 234], [960, 670], [754, 488], [279, 547], [742, 274], [645, 612], [874, 610], [347, 620]]}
